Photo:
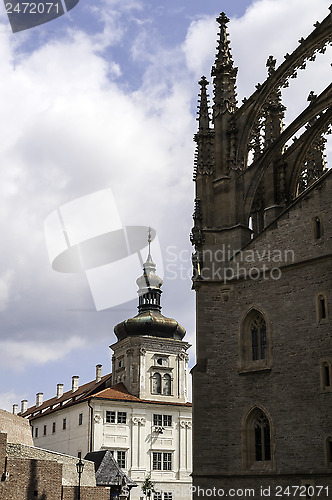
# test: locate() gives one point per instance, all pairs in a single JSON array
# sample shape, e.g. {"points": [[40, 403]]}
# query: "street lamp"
{"points": [[79, 467]]}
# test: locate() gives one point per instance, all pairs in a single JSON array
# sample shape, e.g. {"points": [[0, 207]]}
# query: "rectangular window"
{"points": [[162, 420], [53, 427], [45, 430], [157, 420], [326, 375], [36, 432], [122, 417], [121, 459], [321, 307], [110, 417], [168, 496], [80, 419], [156, 461], [157, 496], [64, 424], [167, 420], [167, 461]]}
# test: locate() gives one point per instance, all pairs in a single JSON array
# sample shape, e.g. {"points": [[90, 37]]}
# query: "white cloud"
{"points": [[72, 125], [6, 281], [7, 399], [19, 354]]}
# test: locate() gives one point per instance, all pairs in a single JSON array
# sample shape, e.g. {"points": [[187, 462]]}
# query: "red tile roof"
{"points": [[67, 399], [118, 392]]}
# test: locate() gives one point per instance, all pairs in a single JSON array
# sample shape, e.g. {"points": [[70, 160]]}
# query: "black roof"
{"points": [[108, 473]]}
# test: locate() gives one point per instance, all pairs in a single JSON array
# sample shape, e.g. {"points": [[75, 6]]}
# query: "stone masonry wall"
{"points": [[290, 388], [69, 472]]}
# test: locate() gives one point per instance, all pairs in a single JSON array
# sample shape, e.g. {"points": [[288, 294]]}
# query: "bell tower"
{"points": [[150, 358]]}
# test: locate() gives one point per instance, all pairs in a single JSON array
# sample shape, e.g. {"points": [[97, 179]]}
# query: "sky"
{"points": [[104, 98]]}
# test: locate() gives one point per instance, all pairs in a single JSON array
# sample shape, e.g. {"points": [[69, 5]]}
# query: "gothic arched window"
{"points": [[166, 384], [156, 383], [262, 438], [257, 440], [255, 344], [257, 329]]}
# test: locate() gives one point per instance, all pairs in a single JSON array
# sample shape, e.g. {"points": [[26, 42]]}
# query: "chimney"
{"points": [[98, 373], [24, 405], [39, 399], [59, 390], [15, 409], [74, 383]]}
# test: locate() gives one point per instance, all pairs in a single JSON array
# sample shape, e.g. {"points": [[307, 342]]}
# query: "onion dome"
{"points": [[149, 320]]}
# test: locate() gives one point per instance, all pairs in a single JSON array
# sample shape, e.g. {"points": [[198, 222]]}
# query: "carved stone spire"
{"points": [[204, 155], [224, 72], [203, 108]]}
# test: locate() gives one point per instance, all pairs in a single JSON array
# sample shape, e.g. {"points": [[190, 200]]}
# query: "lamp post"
{"points": [[79, 467]]}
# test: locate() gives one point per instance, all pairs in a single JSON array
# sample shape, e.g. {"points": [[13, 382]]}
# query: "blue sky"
{"points": [[105, 97]]}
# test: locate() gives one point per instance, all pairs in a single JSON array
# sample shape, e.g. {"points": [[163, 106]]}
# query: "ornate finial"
{"points": [[271, 65], [149, 240], [222, 19], [311, 97]]}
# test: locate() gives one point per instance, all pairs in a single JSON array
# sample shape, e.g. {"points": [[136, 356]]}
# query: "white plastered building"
{"points": [[140, 411]]}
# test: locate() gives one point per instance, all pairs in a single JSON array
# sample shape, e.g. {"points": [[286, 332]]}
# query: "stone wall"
{"points": [[29, 473], [17, 428], [69, 472], [98, 493], [289, 388]]}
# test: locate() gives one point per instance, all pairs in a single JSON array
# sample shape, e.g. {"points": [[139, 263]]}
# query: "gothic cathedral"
{"points": [[262, 383]]}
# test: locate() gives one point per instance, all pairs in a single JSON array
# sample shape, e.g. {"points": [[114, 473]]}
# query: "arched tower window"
{"points": [[156, 383], [255, 348], [166, 384], [257, 440], [326, 375], [317, 227], [321, 308]]}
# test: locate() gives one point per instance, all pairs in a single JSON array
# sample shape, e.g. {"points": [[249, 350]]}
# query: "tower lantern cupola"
{"points": [[149, 321], [149, 286]]}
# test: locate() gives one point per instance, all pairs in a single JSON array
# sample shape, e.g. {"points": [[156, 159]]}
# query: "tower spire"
{"points": [[149, 284], [149, 241], [224, 72]]}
